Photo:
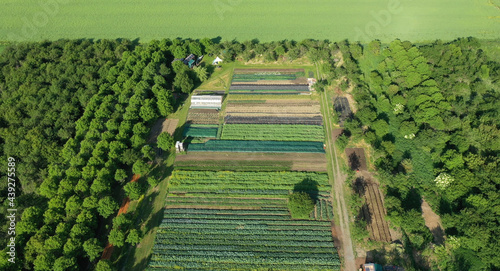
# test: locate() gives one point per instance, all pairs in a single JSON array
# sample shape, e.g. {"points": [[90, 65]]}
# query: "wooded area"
{"points": [[432, 114]]}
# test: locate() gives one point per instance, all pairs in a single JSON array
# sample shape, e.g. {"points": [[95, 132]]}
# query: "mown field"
{"points": [[244, 20]]}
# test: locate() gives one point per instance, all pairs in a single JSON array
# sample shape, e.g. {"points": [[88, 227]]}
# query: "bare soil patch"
{"points": [[337, 132], [160, 126], [433, 222], [373, 211], [356, 158], [300, 161]]}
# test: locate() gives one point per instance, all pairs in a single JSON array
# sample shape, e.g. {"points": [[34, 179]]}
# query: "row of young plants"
{"points": [[202, 118], [258, 146], [242, 247], [278, 132], [201, 130], [256, 77]]}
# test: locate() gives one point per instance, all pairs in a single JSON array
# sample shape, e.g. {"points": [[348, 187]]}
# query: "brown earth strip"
{"points": [[356, 157], [300, 161], [433, 222]]}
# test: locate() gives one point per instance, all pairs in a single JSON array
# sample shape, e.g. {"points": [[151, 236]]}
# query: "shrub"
{"points": [[300, 205]]}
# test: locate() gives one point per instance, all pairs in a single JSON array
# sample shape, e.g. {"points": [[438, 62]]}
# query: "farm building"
{"points": [[190, 60], [341, 105], [372, 267], [206, 101]]}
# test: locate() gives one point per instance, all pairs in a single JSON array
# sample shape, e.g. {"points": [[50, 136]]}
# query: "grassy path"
{"points": [[338, 187]]}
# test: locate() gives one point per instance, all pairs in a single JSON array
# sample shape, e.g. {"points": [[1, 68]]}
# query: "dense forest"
{"points": [[432, 114], [76, 115]]}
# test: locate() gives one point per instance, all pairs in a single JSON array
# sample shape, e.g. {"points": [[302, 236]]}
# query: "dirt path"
{"points": [[108, 250], [433, 222], [338, 189]]}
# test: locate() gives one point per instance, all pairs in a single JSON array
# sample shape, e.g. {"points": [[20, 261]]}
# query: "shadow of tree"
{"points": [[438, 234], [354, 161], [308, 186], [413, 200]]}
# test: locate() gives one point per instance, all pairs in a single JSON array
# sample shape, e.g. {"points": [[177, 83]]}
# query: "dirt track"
{"points": [[344, 233]]}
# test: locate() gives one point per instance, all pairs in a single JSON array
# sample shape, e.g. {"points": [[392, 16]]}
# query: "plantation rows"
{"points": [[242, 240], [277, 108], [275, 87], [258, 146], [235, 119], [203, 118], [279, 132], [222, 201], [266, 92], [271, 223], [323, 210], [263, 177], [239, 247], [201, 130], [257, 77], [266, 183]]}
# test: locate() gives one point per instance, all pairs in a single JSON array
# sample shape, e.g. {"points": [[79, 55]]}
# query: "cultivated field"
{"points": [[240, 221], [244, 20], [373, 211], [203, 116], [280, 132]]}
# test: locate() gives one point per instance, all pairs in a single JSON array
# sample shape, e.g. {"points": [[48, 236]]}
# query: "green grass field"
{"points": [[266, 20]]}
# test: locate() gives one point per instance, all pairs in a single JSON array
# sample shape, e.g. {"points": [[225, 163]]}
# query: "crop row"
{"points": [[157, 260], [275, 87], [257, 146], [224, 247], [236, 201], [265, 177], [269, 109], [262, 241], [239, 188], [244, 227], [236, 236], [294, 223], [279, 132], [255, 254], [196, 130], [203, 118], [173, 265], [269, 211], [249, 119], [255, 77]]}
